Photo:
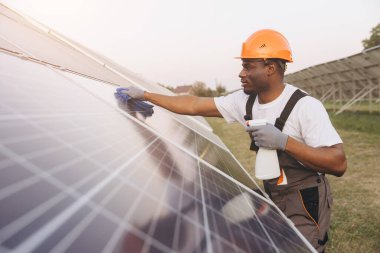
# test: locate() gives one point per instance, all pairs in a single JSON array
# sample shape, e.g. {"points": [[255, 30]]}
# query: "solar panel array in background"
{"points": [[81, 173]]}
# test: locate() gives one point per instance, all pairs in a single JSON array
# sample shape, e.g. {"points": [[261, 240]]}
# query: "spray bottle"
{"points": [[266, 165]]}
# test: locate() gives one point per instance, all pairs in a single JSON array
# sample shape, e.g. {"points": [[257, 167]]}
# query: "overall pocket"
{"points": [[310, 201]]}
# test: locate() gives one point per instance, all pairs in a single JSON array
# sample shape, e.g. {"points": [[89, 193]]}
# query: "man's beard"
{"points": [[258, 89], [249, 92]]}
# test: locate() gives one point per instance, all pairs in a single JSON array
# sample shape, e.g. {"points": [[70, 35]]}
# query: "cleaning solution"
{"points": [[266, 165]]}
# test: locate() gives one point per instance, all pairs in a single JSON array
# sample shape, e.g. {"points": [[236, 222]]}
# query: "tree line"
{"points": [[200, 89]]}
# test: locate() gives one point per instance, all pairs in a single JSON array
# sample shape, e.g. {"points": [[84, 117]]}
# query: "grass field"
{"points": [[360, 106], [356, 211]]}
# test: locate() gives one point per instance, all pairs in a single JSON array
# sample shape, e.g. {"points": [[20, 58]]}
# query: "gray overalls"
{"points": [[306, 199]]}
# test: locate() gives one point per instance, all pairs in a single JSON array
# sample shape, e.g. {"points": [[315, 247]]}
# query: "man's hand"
{"points": [[269, 137], [132, 92]]}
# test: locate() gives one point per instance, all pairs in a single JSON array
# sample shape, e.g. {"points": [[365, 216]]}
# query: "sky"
{"points": [[176, 42]]}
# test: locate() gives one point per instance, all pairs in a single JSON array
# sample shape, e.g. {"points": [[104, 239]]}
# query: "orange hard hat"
{"points": [[266, 44]]}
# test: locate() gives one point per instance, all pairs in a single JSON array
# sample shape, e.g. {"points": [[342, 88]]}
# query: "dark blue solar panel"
{"points": [[79, 174]]}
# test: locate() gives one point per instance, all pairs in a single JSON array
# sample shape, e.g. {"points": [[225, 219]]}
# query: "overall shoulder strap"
{"points": [[248, 116], [296, 96], [248, 106]]}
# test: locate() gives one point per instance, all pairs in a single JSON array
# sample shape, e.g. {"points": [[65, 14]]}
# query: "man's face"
{"points": [[253, 76]]}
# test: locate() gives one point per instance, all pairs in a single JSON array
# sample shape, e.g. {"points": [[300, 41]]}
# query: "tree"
{"points": [[220, 89], [200, 89], [374, 39]]}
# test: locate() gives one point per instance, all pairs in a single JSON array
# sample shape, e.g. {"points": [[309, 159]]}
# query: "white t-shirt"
{"points": [[308, 122]]}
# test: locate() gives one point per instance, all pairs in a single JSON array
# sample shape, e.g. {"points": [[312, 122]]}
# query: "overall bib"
{"points": [[302, 194]]}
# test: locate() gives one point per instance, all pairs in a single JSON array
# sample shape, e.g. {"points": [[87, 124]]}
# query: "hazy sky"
{"points": [[179, 42]]}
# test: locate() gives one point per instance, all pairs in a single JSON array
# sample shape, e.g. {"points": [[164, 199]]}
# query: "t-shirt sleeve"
{"points": [[228, 106], [315, 125]]}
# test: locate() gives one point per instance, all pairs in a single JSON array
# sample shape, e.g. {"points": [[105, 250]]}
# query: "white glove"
{"points": [[133, 92]]}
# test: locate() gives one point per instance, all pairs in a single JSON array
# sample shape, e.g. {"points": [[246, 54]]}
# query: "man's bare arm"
{"points": [[186, 104], [329, 160]]}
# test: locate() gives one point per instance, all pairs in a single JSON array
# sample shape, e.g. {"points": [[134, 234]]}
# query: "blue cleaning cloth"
{"points": [[134, 105], [121, 96]]}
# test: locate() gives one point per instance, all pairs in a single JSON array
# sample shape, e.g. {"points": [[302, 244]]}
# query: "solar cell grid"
{"points": [[80, 173]]}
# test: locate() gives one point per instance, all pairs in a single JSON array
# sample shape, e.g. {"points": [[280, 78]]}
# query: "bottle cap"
{"points": [[256, 122]]}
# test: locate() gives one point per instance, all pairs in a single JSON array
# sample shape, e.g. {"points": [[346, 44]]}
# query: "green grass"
{"points": [[355, 217], [362, 106], [356, 211], [359, 121]]}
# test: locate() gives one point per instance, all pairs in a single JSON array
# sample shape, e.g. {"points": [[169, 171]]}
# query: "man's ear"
{"points": [[271, 68]]}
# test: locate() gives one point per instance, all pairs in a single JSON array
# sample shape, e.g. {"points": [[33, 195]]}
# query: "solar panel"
{"points": [[80, 173], [73, 57], [69, 153]]}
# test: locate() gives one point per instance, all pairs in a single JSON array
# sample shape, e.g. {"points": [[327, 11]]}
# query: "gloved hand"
{"points": [[132, 92], [125, 101], [269, 137]]}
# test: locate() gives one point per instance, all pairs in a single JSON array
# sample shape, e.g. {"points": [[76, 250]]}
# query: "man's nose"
{"points": [[242, 73]]}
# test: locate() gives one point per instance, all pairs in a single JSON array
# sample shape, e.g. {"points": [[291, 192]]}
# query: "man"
{"points": [[299, 129]]}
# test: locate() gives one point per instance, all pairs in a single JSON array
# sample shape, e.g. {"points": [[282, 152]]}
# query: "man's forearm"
{"points": [[329, 160], [175, 104], [186, 104]]}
